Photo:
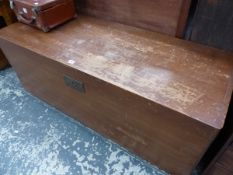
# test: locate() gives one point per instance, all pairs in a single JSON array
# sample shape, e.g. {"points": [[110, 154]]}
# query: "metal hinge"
{"points": [[75, 84]]}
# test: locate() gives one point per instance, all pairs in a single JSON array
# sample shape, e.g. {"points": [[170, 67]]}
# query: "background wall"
{"points": [[213, 23], [168, 17]]}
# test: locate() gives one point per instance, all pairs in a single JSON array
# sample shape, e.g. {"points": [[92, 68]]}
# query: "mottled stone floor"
{"points": [[36, 139]]}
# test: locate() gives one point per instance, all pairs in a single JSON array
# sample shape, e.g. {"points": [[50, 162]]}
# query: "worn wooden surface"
{"points": [[213, 23], [162, 98], [167, 17]]}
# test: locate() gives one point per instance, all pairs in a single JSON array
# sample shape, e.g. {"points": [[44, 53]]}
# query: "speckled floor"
{"points": [[36, 139]]}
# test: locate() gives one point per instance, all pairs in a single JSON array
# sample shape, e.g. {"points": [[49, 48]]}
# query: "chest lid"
{"points": [[41, 4]]}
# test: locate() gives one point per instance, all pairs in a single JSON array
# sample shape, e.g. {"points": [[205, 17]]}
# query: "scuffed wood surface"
{"points": [[188, 78], [162, 98]]}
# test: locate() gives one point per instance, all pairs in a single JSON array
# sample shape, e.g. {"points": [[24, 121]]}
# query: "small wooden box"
{"points": [[162, 98], [45, 14]]}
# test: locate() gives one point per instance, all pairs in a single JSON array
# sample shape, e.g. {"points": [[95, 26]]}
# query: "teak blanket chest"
{"points": [[162, 98]]}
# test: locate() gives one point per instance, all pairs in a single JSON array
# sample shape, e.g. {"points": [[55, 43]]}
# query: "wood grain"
{"points": [[168, 17], [162, 98]]}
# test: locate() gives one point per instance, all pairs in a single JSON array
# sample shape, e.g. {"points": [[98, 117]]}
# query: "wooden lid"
{"points": [[192, 79]]}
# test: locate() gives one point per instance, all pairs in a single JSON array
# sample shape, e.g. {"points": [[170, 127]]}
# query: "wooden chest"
{"points": [[162, 98]]}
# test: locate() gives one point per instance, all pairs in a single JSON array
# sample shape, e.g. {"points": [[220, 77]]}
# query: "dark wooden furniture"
{"points": [[162, 98], [223, 163], [213, 23], [3, 60], [168, 17], [218, 160], [6, 17], [6, 13]]}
